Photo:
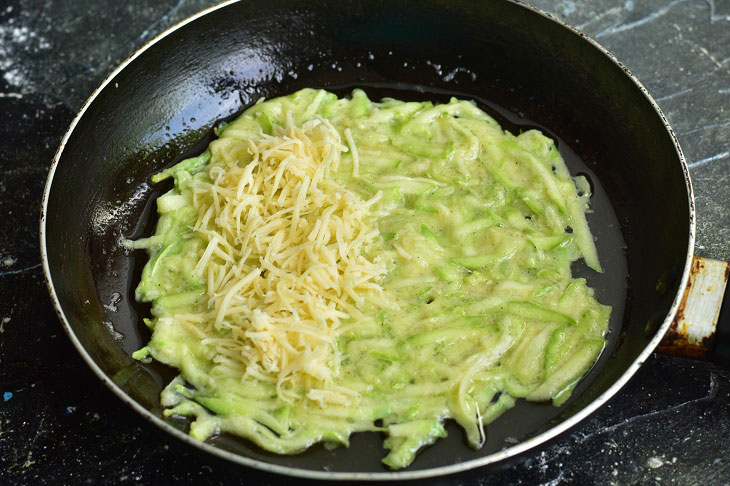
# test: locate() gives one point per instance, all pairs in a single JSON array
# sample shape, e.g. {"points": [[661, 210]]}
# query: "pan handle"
{"points": [[701, 328]]}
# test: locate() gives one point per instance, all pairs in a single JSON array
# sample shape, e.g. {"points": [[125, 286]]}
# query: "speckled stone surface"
{"points": [[60, 425]]}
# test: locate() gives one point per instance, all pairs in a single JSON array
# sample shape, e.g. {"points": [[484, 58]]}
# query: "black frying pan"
{"points": [[519, 64]]}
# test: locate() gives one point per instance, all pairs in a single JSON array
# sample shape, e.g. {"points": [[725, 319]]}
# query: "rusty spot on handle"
{"points": [[693, 329]]}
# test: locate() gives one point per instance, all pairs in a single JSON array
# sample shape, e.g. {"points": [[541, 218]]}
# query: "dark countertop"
{"points": [[59, 424]]}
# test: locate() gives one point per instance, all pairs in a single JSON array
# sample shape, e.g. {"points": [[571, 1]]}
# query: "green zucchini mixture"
{"points": [[476, 230]]}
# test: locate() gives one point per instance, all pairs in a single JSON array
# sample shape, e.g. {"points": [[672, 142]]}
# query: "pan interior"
{"points": [[522, 68]]}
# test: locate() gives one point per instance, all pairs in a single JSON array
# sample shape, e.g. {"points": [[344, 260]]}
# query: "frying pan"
{"points": [[518, 63]]}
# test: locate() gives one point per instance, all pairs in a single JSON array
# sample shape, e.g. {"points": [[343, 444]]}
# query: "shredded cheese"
{"points": [[284, 260], [353, 151]]}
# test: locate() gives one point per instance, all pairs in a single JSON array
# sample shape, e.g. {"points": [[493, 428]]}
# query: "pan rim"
{"points": [[495, 457]]}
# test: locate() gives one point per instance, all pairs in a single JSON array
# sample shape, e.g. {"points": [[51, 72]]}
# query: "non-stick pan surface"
{"points": [[520, 65]]}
